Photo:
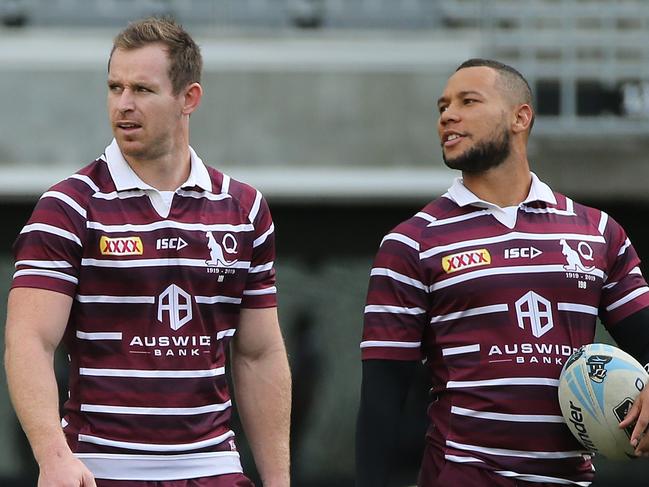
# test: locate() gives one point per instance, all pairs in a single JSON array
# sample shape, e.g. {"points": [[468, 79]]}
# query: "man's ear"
{"points": [[192, 98], [523, 117]]}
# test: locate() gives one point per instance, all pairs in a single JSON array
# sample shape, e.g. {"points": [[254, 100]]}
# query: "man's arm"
{"points": [[383, 393], [36, 321], [262, 383], [632, 335]]}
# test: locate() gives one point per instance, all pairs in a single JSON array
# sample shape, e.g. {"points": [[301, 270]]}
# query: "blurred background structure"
{"points": [[328, 107]]}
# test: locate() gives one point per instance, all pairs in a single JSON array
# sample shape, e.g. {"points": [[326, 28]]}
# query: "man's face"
{"points": [[473, 122], [144, 113]]}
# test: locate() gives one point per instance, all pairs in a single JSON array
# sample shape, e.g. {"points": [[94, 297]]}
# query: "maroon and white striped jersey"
{"points": [[158, 281], [494, 300]]}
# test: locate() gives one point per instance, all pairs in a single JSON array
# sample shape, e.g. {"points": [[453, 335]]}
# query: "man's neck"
{"points": [[506, 185], [167, 173]]}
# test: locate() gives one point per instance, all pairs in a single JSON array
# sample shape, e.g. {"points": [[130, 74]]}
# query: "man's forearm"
{"points": [[34, 394], [263, 395], [383, 391]]}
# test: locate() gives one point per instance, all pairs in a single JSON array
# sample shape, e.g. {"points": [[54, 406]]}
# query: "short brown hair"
{"points": [[185, 60]]}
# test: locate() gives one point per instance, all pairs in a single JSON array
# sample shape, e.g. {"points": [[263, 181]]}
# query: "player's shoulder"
{"points": [[89, 180], [587, 215], [246, 196], [415, 227]]}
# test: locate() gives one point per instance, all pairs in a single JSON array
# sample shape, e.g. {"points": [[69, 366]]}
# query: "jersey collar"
{"points": [[460, 194], [125, 178]]}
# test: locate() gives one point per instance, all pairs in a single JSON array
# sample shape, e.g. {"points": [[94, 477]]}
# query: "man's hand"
{"points": [[639, 414], [65, 471]]}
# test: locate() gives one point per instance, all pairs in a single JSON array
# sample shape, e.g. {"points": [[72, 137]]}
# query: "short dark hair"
{"points": [[514, 83], [185, 60]]}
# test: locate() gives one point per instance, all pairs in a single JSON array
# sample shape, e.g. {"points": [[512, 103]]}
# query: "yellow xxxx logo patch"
{"points": [[465, 260]]}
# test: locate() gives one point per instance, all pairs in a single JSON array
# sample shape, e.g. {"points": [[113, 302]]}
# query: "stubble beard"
{"points": [[145, 150], [482, 156]]}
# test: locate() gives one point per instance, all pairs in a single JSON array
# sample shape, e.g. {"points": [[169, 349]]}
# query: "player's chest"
{"points": [[509, 263]]}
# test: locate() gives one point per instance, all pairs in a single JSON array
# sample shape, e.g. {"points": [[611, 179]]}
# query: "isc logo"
{"points": [[170, 243], [522, 253]]}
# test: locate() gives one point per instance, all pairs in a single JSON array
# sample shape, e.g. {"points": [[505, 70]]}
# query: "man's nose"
{"points": [[126, 101]]}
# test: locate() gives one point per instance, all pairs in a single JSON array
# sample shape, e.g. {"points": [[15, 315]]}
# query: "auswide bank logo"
{"points": [[465, 260]]}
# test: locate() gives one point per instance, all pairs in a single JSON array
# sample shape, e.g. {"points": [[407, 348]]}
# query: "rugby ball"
{"points": [[597, 387]]}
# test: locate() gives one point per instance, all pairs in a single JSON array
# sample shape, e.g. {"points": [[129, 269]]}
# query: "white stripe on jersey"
{"points": [[100, 335], [202, 195], [400, 238], [567, 212], [425, 216], [152, 374], [498, 271], [87, 298], [446, 352], [400, 310], [217, 299], [389, 344], [634, 271], [97, 440], [482, 310], [459, 459], [629, 297], [49, 264], [46, 273], [262, 238], [382, 271], [509, 381], [459, 218], [43, 227], [150, 227], [225, 185], [540, 478], [577, 308], [518, 418], [115, 466], [153, 411], [87, 180], [570, 206], [627, 244], [260, 292], [508, 237], [225, 333], [255, 208], [121, 195], [603, 220], [515, 453], [261, 268], [67, 200], [128, 263]]}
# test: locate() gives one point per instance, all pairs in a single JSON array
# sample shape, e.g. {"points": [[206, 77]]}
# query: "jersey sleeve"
{"points": [[48, 249], [260, 291], [625, 290], [397, 301]]}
